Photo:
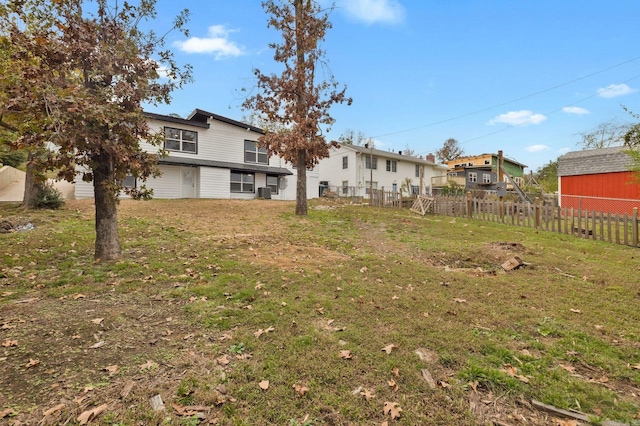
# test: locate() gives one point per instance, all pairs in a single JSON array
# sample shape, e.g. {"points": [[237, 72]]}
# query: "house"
{"points": [[480, 172], [598, 180], [211, 156], [351, 170]]}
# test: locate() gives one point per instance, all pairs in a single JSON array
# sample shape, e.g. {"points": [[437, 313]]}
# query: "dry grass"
{"points": [[214, 297]]}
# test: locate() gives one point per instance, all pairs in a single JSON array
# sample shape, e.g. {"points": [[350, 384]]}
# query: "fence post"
{"points": [[537, 219], [469, 213], [634, 230]]}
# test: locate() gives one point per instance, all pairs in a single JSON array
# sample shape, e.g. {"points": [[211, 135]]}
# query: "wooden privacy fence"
{"points": [[613, 228]]}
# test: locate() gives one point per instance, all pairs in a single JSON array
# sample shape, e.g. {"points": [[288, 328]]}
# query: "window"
{"points": [[368, 162], [473, 177], [486, 178], [345, 162], [392, 165], [241, 182], [129, 182], [417, 170], [368, 185], [180, 140], [272, 182], [487, 162], [415, 190], [345, 186], [254, 154]]}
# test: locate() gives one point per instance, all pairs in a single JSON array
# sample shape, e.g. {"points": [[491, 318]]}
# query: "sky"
{"points": [[522, 76]]}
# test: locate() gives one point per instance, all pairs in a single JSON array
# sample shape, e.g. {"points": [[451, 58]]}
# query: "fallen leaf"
{"points": [[635, 367], [522, 378], [98, 345], [97, 320], [443, 384], [367, 395], [112, 369], [460, 300], [89, 415], [559, 422], [570, 368], [264, 385], [300, 389], [148, 365], [32, 363], [575, 311], [345, 354], [510, 370], [8, 343], [364, 269], [6, 413], [396, 372], [127, 389], [79, 296], [389, 348], [52, 410], [395, 297], [393, 385], [223, 359], [392, 409]]}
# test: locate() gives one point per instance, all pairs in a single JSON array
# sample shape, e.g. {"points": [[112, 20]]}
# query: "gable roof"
{"points": [[469, 157], [387, 154], [199, 115], [593, 161]]}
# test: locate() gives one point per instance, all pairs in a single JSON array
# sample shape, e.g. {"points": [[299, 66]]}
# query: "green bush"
{"points": [[12, 158], [49, 198]]}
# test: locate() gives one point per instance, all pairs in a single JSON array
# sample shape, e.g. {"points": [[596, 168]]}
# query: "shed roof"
{"points": [[251, 168], [594, 161]]}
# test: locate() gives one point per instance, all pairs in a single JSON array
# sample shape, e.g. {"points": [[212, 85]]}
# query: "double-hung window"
{"points": [[418, 170], [242, 182], [255, 154], [272, 182], [473, 177], [180, 140], [371, 163], [345, 162], [392, 166], [486, 178]]}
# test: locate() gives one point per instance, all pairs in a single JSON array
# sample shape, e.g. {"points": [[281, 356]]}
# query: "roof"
{"points": [[199, 115], [594, 161], [255, 168], [176, 120], [387, 154], [504, 158]]}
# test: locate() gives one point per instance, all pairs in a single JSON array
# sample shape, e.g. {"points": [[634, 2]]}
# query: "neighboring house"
{"points": [[598, 180], [211, 156], [480, 172], [351, 170]]}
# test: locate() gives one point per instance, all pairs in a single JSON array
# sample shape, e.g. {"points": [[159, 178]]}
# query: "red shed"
{"points": [[598, 180]]}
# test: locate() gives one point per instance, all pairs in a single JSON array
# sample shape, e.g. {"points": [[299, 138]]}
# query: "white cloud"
{"points": [[516, 118], [217, 43], [537, 148], [564, 150], [615, 90], [374, 11], [576, 110]]}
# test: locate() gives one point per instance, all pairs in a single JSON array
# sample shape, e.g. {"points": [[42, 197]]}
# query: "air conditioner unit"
{"points": [[264, 193]]}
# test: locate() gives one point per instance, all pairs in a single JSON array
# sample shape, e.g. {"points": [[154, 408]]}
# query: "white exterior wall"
{"points": [[167, 185], [358, 175]]}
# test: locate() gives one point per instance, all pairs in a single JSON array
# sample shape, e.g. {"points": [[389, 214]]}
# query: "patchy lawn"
{"points": [[241, 313]]}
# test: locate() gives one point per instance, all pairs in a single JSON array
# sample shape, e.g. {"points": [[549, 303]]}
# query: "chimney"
{"points": [[431, 158], [400, 152]]}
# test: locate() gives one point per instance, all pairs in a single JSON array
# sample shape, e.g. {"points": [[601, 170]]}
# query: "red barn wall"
{"points": [[606, 185]]}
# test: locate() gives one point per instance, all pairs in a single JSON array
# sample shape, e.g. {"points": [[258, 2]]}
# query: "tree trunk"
{"points": [[32, 184], [301, 186], [107, 240]]}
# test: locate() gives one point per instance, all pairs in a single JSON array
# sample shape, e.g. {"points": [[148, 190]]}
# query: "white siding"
{"points": [[167, 185], [214, 183]]}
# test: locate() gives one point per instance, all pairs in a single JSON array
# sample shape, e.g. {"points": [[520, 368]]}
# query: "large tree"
{"points": [[76, 96], [605, 134], [450, 151], [297, 99]]}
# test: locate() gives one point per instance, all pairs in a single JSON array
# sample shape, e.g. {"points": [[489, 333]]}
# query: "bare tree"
{"points": [[297, 99], [450, 151], [350, 137], [606, 134]]}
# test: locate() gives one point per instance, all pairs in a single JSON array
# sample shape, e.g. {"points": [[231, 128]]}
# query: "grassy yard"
{"points": [[241, 313]]}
